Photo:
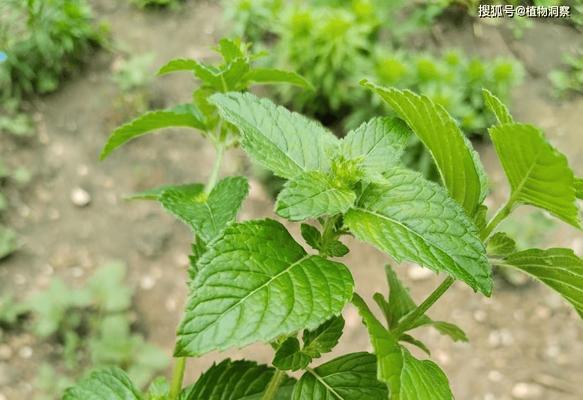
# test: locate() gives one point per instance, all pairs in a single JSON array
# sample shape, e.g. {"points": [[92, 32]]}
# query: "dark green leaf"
{"points": [[281, 141], [182, 116], [324, 338], [459, 166], [311, 235], [235, 380], [312, 195], [349, 377], [400, 301], [290, 357], [104, 384], [208, 216], [256, 284], [560, 269], [413, 219], [538, 173], [335, 248]]}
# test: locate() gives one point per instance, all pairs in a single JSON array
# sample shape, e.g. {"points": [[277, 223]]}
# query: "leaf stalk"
{"points": [[177, 378], [273, 386]]}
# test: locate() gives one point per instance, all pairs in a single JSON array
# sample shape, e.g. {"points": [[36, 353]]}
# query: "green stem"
{"points": [[273, 386], [500, 215], [410, 319], [216, 168], [177, 377]]}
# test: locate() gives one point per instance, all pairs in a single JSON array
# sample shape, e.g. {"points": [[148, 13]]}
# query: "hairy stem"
{"points": [[216, 168], [177, 377], [500, 215], [410, 319], [273, 386]]}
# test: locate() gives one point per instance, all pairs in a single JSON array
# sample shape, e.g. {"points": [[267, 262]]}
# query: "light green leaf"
{"points": [[158, 389], [449, 329], [208, 216], [498, 108], [538, 173], [206, 73], [182, 116], [400, 302], [415, 342], [560, 269], [290, 357], [500, 245], [311, 195], [324, 338], [8, 241], [104, 384], [406, 377], [192, 189], [579, 188], [413, 219], [349, 377], [230, 49], [255, 284], [459, 165], [281, 141], [235, 380], [272, 75], [379, 143]]}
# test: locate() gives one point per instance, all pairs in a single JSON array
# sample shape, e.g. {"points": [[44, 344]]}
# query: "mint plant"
{"points": [[251, 281]]}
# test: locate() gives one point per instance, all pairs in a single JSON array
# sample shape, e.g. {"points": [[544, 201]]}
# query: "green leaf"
{"points": [[182, 116], [284, 142], [235, 380], [311, 235], [560, 269], [538, 174], [311, 195], [290, 357], [104, 384], [400, 301], [158, 389], [579, 188], [272, 75], [349, 377], [413, 219], [335, 248], [324, 338], [179, 64], [449, 329], [407, 377], [255, 284], [192, 189], [378, 143], [500, 245], [497, 108], [230, 49], [208, 216], [415, 342], [458, 164], [8, 241]]}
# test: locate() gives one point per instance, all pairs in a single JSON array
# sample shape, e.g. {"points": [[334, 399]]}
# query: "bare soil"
{"points": [[524, 342]]}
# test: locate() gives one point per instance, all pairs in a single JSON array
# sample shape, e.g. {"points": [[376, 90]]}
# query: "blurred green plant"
{"points": [[155, 3], [568, 80], [91, 327], [133, 75], [44, 40]]}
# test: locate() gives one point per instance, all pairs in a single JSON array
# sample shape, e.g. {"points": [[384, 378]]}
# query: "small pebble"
{"points": [[147, 282], [80, 197], [523, 390], [418, 273], [25, 352]]}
